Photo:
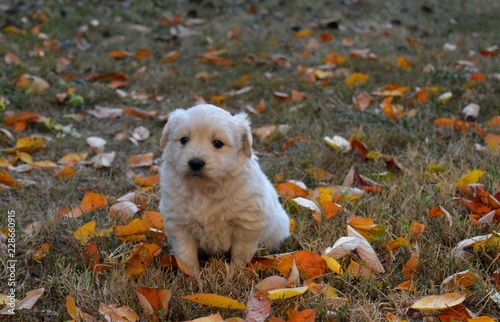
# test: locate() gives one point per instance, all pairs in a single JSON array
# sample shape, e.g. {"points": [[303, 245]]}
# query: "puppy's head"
{"points": [[206, 143]]}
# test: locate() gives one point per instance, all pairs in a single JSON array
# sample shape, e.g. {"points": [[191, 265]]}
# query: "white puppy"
{"points": [[214, 196]]}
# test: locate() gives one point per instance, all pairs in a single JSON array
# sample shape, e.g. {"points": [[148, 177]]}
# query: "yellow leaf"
{"points": [[215, 300], [66, 172], [333, 265], [439, 302], [469, 178], [85, 232], [26, 144], [286, 293], [356, 79], [303, 33], [403, 62], [136, 226]]}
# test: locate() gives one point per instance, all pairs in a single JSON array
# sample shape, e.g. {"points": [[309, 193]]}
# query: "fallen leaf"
{"points": [[439, 302], [258, 309], [290, 190], [112, 312], [286, 293], [461, 279], [308, 315], [215, 300], [471, 177], [361, 100], [153, 299], [356, 79]]}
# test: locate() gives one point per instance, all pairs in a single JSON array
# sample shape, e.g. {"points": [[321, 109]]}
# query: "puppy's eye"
{"points": [[217, 144], [184, 140]]}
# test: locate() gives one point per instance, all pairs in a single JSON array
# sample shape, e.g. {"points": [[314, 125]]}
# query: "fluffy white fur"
{"points": [[226, 205]]}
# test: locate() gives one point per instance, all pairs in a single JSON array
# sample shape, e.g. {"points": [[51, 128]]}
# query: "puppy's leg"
{"points": [[184, 247], [244, 245]]}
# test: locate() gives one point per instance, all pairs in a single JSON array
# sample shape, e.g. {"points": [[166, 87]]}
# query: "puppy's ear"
{"points": [[245, 133], [172, 120], [164, 136]]}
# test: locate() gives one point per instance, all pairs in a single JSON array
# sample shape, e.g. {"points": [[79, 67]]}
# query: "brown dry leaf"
{"points": [[41, 252], [124, 210], [153, 299], [143, 53], [361, 101], [32, 83], [215, 300], [306, 203], [27, 303], [140, 113], [461, 279], [439, 302], [11, 58], [356, 270], [493, 141], [291, 141], [92, 257], [112, 312], [271, 283], [19, 120], [366, 251], [319, 174], [170, 57], [458, 313], [259, 308]]}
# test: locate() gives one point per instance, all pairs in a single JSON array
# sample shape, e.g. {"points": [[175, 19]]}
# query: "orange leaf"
{"points": [[92, 257], [308, 315], [289, 142], [458, 313], [325, 37], [416, 229], [303, 33], [150, 181], [319, 174], [290, 190], [153, 299], [142, 53], [356, 270], [155, 219], [394, 245], [310, 264], [213, 60], [297, 96], [360, 147], [403, 62], [406, 285], [139, 113], [141, 259], [90, 202], [9, 181], [170, 57], [475, 207], [119, 54], [494, 122], [65, 173], [331, 208], [282, 97], [439, 211], [462, 279], [411, 265], [140, 160], [393, 111], [112, 312], [421, 96], [493, 141], [135, 227]]}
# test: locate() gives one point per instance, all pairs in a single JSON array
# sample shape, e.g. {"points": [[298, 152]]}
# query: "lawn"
{"points": [[381, 115]]}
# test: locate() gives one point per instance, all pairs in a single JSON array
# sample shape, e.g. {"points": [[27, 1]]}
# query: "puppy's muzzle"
{"points": [[196, 165]]}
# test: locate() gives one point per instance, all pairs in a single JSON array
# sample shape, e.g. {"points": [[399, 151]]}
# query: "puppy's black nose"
{"points": [[196, 164]]}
